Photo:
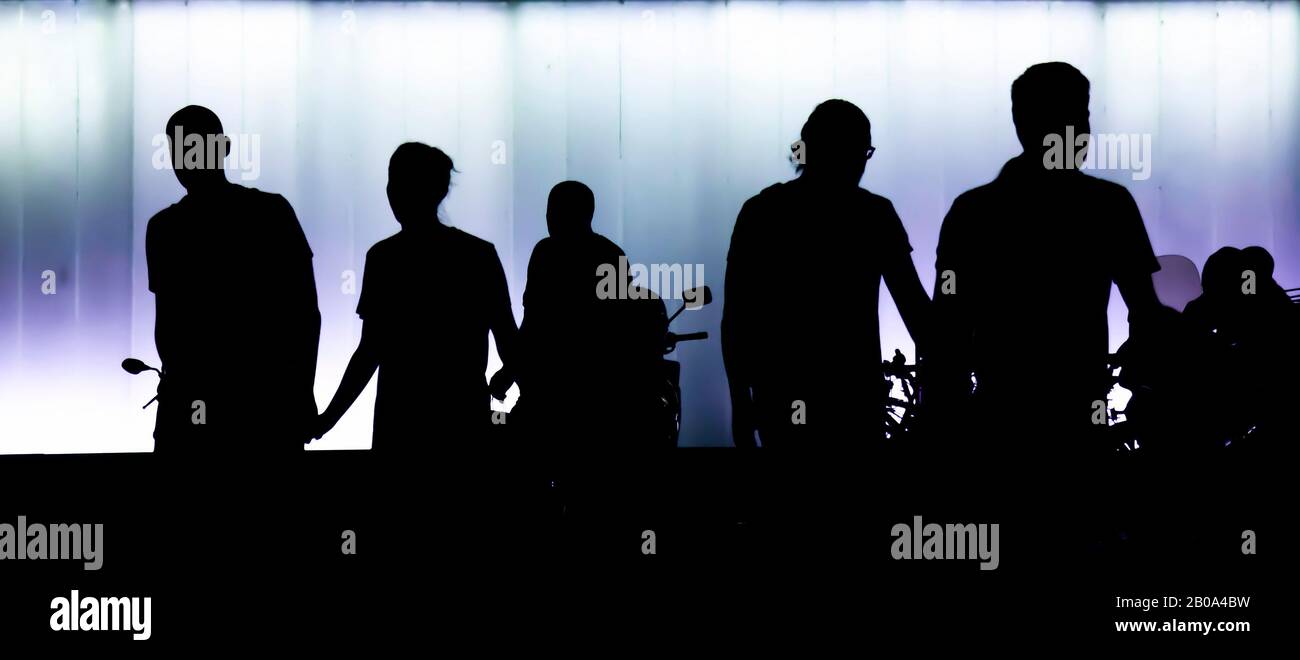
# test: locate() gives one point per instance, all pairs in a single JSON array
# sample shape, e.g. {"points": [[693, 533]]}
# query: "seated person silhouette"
{"points": [[800, 332], [430, 296], [1023, 279], [582, 357], [238, 351]]}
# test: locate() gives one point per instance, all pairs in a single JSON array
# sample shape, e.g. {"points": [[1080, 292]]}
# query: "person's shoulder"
{"points": [[257, 193], [542, 250], [547, 243], [383, 246], [967, 209], [1104, 189], [874, 202], [263, 198], [605, 244], [163, 218], [980, 194], [763, 204], [160, 227], [471, 246], [771, 193], [468, 240]]}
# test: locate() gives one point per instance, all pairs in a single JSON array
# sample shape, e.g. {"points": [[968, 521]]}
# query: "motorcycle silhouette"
{"points": [[669, 397]]}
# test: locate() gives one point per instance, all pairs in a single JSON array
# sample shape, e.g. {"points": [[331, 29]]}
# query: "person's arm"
{"points": [[947, 352], [525, 350], [362, 366], [504, 331], [909, 295], [1133, 263], [162, 309], [736, 305], [1139, 295], [302, 311], [905, 285]]}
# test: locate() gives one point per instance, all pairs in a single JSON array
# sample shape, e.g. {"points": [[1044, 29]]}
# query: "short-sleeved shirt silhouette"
{"points": [[568, 330], [433, 291], [587, 356], [1034, 254], [803, 286], [238, 324]]}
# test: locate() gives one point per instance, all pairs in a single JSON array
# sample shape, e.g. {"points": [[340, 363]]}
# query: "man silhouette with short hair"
{"points": [[800, 330], [584, 359], [237, 326], [430, 296], [1024, 270]]}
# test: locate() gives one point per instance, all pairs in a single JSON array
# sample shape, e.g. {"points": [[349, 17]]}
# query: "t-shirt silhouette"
{"points": [[587, 359], [566, 327], [803, 286], [1033, 255], [237, 325], [434, 292]]}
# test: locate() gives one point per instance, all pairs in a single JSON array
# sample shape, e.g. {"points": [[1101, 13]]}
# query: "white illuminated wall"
{"points": [[673, 113]]}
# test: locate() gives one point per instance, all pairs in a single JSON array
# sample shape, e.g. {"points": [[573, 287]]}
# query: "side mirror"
{"points": [[135, 367]]}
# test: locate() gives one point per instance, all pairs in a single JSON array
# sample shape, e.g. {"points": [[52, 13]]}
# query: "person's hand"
{"points": [[321, 424], [500, 384]]}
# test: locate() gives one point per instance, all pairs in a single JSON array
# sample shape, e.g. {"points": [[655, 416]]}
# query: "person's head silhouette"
{"points": [[569, 209], [418, 179], [835, 144], [1259, 262], [1221, 276], [1177, 282], [198, 147], [1045, 99]]}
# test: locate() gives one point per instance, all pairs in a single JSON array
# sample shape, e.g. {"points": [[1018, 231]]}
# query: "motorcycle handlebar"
{"points": [[690, 336]]}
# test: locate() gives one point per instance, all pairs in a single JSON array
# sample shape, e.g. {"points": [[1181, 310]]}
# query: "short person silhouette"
{"points": [[586, 360]]}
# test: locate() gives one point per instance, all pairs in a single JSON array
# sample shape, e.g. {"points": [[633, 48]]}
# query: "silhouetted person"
{"points": [[237, 325], [1177, 283], [584, 358], [1170, 369], [1024, 272], [429, 297], [800, 332], [1251, 321]]}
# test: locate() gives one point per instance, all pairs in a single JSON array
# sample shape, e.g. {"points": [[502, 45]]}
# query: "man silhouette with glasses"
{"points": [[800, 332]]}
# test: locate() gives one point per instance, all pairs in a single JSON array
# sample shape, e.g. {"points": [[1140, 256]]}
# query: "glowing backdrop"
{"points": [[673, 113]]}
